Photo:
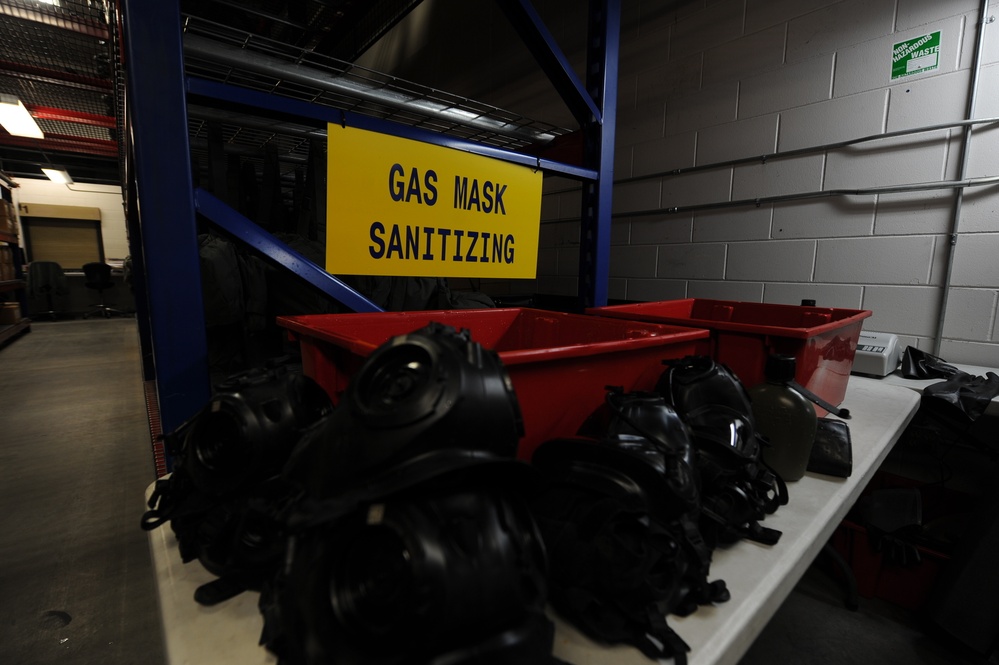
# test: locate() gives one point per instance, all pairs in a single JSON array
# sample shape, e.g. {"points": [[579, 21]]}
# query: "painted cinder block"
{"points": [[617, 288], [838, 26], [631, 197], [644, 123], [668, 80], [549, 207], [970, 353], [714, 105], [875, 260], [663, 154], [696, 188], [867, 66], [733, 224], [622, 160], [903, 309], [915, 213], [633, 260], [846, 296], [559, 234], [743, 138], [835, 120], [552, 184], [548, 261], [558, 286], [929, 101], [640, 48], [915, 13], [656, 289], [627, 91], [975, 260], [568, 261], [661, 230], [746, 56], [773, 260], [570, 205], [837, 216], [739, 291], [716, 24], [779, 176], [765, 13], [990, 54], [895, 161], [620, 233], [792, 85], [697, 261], [970, 314]]}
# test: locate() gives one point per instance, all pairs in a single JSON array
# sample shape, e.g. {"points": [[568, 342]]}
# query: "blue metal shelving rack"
{"points": [[163, 204]]}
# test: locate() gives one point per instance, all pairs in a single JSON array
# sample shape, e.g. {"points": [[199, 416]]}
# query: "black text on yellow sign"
{"points": [[405, 208]]}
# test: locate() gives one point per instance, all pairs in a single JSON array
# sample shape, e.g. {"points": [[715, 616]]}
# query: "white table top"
{"points": [[759, 577]]}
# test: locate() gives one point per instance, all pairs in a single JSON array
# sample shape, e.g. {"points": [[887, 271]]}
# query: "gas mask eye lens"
{"points": [[401, 376], [372, 585], [219, 447]]}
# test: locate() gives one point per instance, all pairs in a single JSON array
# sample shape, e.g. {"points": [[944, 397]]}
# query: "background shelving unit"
{"points": [[17, 285], [203, 89]]}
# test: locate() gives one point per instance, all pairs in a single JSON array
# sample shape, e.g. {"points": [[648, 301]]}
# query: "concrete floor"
{"points": [[813, 626], [76, 583]]}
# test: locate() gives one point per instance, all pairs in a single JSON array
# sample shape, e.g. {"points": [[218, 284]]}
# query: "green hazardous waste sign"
{"points": [[915, 56]]}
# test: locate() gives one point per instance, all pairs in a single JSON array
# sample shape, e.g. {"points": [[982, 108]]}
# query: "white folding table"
{"points": [[759, 577]]}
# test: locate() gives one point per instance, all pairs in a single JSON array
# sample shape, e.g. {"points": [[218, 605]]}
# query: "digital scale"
{"points": [[878, 354]]}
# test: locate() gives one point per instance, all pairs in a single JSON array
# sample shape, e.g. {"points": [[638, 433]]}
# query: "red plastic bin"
{"points": [[823, 340], [559, 363]]}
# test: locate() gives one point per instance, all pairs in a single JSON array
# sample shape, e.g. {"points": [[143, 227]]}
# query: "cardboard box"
{"points": [[10, 313]]}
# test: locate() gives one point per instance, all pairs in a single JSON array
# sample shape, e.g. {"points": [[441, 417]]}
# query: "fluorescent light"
{"points": [[16, 119], [57, 174]]}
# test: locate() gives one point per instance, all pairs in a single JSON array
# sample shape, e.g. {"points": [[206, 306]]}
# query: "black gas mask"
{"points": [[225, 492], [619, 519], [737, 488], [413, 543]]}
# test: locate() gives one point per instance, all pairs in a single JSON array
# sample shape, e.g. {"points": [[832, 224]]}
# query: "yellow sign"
{"points": [[401, 207]]}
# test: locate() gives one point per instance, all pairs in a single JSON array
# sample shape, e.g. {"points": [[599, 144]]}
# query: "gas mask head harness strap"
{"points": [[411, 543], [619, 519], [738, 489]]}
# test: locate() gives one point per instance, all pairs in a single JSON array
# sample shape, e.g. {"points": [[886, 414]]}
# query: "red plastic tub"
{"points": [[823, 340], [559, 363]]}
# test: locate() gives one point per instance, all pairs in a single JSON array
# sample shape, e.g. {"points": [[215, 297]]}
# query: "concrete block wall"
{"points": [[717, 80]]}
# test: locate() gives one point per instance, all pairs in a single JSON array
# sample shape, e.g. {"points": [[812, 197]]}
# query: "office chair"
{"points": [[98, 277], [46, 280]]}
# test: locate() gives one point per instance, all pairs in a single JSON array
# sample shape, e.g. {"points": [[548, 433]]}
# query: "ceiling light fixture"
{"points": [[16, 119], [57, 174]]}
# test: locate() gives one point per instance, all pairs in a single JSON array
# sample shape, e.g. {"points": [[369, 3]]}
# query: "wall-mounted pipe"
{"points": [[763, 159], [976, 70], [825, 193]]}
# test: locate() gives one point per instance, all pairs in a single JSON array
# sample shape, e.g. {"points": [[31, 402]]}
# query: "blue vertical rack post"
{"points": [[595, 109], [168, 204], [157, 112], [601, 84]]}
